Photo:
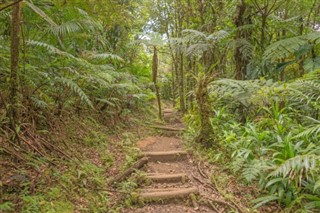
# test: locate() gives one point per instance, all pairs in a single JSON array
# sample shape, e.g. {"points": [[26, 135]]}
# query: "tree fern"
{"points": [[246, 48], [199, 42], [287, 47], [254, 169], [199, 48]]}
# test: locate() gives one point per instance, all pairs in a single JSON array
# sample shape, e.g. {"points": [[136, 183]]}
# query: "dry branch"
{"points": [[129, 171]]}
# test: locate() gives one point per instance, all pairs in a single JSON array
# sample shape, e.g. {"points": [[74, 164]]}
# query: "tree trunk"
{"points": [[14, 76], [181, 62], [263, 32], [174, 70], [284, 34], [240, 59], [154, 79], [301, 62], [202, 96], [181, 85]]}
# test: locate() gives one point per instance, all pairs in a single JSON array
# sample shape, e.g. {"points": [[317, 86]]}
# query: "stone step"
{"points": [[150, 195], [167, 178], [166, 111], [166, 156]]}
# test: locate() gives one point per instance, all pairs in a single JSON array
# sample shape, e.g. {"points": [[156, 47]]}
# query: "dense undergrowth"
{"points": [[268, 133], [76, 179]]}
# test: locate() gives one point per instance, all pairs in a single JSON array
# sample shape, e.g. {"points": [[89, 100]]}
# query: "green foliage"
{"points": [[39, 203], [272, 139], [295, 47], [6, 206]]}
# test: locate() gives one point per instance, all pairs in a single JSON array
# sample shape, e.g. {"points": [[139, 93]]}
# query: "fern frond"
{"points": [[198, 48], [193, 35], [39, 103], [76, 89], [246, 48], [218, 36], [106, 56], [287, 47], [254, 169], [66, 28], [314, 37], [50, 48], [284, 48]]}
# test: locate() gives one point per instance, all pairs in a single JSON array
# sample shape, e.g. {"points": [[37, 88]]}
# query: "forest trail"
{"points": [[177, 182]]}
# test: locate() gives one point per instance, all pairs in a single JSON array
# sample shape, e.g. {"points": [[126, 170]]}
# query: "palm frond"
{"points": [[312, 131], [293, 166], [41, 13]]}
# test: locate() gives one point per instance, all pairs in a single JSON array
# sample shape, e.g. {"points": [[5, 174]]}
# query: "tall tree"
{"points": [[14, 76], [154, 79], [242, 36]]}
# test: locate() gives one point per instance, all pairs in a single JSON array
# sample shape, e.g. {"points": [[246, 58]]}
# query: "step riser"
{"points": [[166, 156], [168, 179], [166, 195]]}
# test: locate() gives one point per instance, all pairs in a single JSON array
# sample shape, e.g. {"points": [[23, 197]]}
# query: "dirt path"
{"points": [[175, 176]]}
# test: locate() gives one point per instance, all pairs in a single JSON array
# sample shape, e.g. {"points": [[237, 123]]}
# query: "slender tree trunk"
{"points": [[263, 32], [173, 85], [174, 70], [181, 84], [181, 62], [284, 33], [201, 9], [240, 59], [177, 75], [14, 76], [301, 62], [154, 79]]}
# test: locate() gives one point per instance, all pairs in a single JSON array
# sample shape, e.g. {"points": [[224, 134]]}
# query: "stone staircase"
{"points": [[166, 171]]}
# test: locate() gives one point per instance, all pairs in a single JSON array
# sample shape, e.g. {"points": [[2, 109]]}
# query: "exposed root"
{"points": [[215, 187], [201, 172]]}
